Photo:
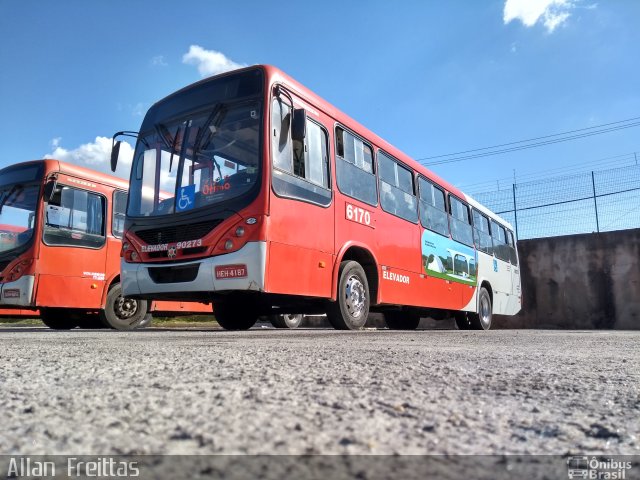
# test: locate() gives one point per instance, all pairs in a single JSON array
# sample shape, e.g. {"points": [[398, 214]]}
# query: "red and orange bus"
{"points": [[60, 239], [250, 191]]}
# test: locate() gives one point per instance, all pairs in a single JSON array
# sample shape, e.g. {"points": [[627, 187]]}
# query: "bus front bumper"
{"points": [[18, 293], [212, 274]]}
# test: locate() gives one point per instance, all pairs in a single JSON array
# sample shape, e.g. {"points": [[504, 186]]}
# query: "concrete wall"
{"points": [[579, 281]]}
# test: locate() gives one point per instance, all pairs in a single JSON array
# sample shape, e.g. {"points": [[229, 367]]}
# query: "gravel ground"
{"points": [[311, 391]]}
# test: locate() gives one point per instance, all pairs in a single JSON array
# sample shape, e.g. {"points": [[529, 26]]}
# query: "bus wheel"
{"points": [[402, 320], [123, 313], [146, 321], [351, 309], [286, 321], [57, 318], [482, 319], [233, 316]]}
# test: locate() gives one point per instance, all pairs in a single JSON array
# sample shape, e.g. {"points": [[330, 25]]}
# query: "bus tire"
{"points": [[287, 320], [146, 321], [58, 318], [351, 309], [122, 313], [233, 316], [401, 320], [482, 319]]}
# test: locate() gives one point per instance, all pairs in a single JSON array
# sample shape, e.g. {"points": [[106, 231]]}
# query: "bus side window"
{"points": [[396, 189], [301, 168], [119, 210], [512, 248], [282, 149], [75, 217], [354, 167], [461, 230], [500, 247], [433, 210], [481, 232]]}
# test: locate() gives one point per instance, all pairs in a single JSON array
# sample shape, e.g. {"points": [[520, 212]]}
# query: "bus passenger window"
{"points": [[512, 248], [396, 189], [433, 214], [119, 208], [354, 167], [481, 232], [500, 247], [75, 217], [461, 230]]}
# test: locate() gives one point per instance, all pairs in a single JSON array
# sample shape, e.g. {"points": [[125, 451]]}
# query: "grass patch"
{"points": [[20, 321], [191, 321]]}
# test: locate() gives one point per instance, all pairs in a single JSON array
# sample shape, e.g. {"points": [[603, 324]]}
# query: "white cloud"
{"points": [[209, 62], [552, 13], [95, 155]]}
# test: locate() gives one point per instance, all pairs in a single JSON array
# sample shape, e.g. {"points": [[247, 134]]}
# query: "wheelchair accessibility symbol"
{"points": [[186, 199]]}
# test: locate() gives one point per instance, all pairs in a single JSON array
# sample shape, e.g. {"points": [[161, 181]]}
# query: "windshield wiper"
{"points": [[164, 134], [206, 126]]}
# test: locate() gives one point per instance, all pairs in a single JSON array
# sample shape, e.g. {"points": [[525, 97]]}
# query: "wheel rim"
{"points": [[125, 308], [485, 311], [355, 296], [292, 319]]}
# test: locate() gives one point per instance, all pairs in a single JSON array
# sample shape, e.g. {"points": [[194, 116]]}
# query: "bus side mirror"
{"points": [[115, 151], [299, 125], [49, 188]]}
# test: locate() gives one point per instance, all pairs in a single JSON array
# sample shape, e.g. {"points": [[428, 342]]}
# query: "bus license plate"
{"points": [[231, 271]]}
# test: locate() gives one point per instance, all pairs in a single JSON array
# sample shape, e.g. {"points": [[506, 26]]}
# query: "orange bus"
{"points": [[60, 240], [250, 191]]}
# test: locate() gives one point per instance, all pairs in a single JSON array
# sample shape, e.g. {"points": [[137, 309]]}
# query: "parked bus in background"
{"points": [[250, 191], [60, 240]]}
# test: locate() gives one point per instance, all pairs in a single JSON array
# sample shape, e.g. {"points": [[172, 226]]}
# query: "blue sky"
{"points": [[430, 77]]}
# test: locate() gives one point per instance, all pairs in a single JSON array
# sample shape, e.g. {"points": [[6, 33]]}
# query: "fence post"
{"points": [[515, 209], [595, 201]]}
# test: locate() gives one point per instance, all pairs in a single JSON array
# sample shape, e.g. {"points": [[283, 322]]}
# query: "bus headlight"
{"points": [[239, 231], [228, 245]]}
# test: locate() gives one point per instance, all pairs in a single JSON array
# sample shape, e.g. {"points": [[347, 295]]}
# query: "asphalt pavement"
{"points": [[319, 391]]}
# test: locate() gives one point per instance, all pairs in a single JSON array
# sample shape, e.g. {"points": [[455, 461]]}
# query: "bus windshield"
{"points": [[196, 160], [19, 190]]}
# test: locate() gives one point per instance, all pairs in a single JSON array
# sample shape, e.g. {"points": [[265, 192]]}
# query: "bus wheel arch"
{"points": [[108, 286], [367, 261], [487, 286]]}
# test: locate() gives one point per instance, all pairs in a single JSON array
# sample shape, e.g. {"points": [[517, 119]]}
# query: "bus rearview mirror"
{"points": [[115, 151], [299, 125]]}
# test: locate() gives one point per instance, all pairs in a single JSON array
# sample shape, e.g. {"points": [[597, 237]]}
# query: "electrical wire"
{"points": [[546, 140]]}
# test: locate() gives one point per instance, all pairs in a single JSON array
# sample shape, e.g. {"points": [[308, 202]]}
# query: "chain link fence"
{"points": [[578, 203]]}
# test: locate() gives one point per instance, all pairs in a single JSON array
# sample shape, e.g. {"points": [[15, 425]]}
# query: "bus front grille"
{"points": [[174, 274], [178, 233]]}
